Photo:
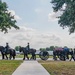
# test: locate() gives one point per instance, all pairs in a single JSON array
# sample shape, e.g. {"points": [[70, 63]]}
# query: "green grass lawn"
{"points": [[7, 67], [59, 67]]}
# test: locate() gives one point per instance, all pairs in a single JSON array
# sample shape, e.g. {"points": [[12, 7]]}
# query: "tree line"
{"points": [[51, 48]]}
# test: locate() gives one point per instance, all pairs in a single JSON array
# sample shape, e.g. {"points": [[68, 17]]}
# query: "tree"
{"points": [[52, 48], [17, 48], [6, 20], [42, 49], [67, 18]]}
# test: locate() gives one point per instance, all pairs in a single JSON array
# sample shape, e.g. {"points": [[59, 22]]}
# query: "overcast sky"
{"points": [[38, 25]]}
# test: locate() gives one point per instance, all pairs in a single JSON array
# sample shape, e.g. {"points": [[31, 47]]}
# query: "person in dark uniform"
{"points": [[28, 47], [7, 47]]}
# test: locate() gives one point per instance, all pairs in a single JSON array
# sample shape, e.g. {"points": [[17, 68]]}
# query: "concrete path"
{"points": [[30, 68]]}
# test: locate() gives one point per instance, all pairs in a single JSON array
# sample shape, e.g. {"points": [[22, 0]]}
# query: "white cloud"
{"points": [[17, 17], [14, 14], [36, 38], [53, 16], [64, 7]]}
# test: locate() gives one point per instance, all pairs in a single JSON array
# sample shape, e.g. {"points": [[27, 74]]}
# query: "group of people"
{"points": [[58, 53], [64, 53], [12, 53]]}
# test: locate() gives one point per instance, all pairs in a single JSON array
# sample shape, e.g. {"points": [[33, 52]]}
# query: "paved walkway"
{"points": [[30, 68]]}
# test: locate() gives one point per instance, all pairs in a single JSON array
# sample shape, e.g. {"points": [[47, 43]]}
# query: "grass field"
{"points": [[7, 67], [59, 67]]}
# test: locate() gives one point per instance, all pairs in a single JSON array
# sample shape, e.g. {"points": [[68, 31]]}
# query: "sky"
{"points": [[38, 26]]}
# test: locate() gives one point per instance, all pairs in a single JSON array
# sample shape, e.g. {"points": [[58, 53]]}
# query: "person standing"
{"points": [[72, 55]]}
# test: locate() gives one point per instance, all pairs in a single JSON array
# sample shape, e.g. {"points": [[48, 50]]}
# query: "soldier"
{"points": [[28, 47], [7, 48]]}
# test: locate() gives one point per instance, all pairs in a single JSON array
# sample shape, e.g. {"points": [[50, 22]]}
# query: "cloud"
{"points": [[14, 14], [37, 39], [53, 16], [64, 7], [24, 35]]}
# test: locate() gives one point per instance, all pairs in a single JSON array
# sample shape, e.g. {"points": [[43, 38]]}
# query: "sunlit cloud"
{"points": [[15, 15], [35, 38], [52, 16]]}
